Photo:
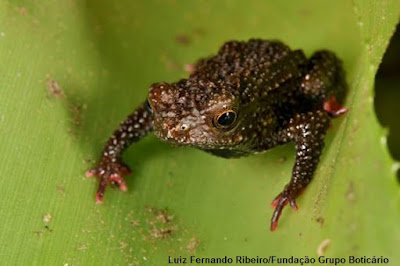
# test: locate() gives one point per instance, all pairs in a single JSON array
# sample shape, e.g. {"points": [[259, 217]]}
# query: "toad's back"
{"points": [[251, 68]]}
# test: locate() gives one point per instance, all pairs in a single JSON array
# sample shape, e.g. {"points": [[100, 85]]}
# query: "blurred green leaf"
{"points": [[71, 70]]}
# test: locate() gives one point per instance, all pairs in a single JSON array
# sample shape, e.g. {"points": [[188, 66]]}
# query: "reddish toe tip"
{"points": [[99, 198], [333, 108], [90, 173], [274, 203], [123, 187], [274, 225], [294, 205]]}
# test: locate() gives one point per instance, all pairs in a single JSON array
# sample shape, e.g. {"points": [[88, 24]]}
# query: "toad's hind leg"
{"points": [[324, 82]]}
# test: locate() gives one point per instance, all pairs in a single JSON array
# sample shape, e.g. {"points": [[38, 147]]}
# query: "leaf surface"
{"points": [[71, 70]]}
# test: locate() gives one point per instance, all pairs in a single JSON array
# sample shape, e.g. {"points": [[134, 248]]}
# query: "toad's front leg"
{"points": [[308, 132], [111, 169]]}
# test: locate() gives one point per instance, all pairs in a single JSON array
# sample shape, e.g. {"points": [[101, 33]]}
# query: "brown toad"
{"points": [[248, 98]]}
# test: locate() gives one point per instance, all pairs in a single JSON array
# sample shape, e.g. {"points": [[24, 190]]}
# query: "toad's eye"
{"points": [[148, 107], [225, 120]]}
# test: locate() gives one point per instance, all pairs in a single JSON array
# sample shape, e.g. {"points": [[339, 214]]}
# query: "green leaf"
{"points": [[71, 70]]}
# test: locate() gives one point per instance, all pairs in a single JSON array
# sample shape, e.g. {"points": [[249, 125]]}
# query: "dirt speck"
{"points": [[54, 89], [76, 110], [161, 233], [38, 233], [182, 39], [350, 193], [160, 215], [77, 113], [199, 32], [135, 223], [75, 107], [282, 159], [61, 189], [160, 224], [192, 245], [48, 228], [22, 11], [322, 247], [82, 248], [320, 220], [47, 218], [123, 245]]}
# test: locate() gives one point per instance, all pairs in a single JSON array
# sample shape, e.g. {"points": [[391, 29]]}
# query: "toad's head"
{"points": [[200, 115]]}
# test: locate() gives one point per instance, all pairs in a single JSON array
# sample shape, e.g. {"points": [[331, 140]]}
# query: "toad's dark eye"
{"points": [[148, 107], [226, 119]]}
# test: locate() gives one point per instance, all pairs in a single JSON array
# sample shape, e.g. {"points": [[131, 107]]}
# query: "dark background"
{"points": [[387, 95]]}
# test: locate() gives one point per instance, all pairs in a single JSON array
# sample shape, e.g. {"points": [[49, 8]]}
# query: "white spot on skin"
{"points": [[169, 135], [181, 100], [171, 114], [239, 138]]}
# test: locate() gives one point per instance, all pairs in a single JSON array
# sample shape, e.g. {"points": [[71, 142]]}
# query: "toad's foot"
{"points": [[279, 203], [109, 172], [333, 108]]}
